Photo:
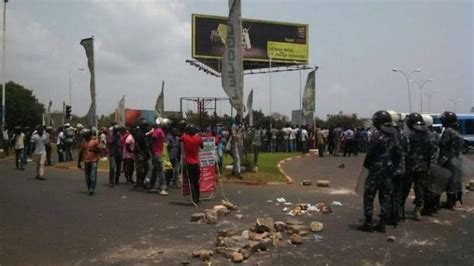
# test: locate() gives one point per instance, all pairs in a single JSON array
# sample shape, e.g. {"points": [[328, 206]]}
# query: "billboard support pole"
{"points": [[270, 83]]}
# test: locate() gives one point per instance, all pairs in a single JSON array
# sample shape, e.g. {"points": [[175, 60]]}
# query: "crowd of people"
{"points": [[402, 154]]}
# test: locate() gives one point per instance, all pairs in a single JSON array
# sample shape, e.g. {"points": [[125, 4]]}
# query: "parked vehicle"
{"points": [[466, 129]]}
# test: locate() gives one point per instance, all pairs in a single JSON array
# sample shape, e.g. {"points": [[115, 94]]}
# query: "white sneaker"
{"points": [[163, 193]]}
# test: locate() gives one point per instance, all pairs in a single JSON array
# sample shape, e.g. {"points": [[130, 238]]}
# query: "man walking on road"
{"points": [[19, 142], [90, 155], [38, 142]]}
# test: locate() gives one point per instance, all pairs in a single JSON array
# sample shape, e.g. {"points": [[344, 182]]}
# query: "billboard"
{"points": [[284, 42], [132, 115], [298, 118]]}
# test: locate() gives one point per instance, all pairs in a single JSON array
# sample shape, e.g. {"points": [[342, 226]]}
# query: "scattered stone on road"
{"points": [[229, 205], [239, 216], [211, 216], [342, 165], [264, 225], [279, 226], [391, 239], [237, 257], [228, 232], [293, 222], [297, 229], [296, 239], [316, 226], [221, 210], [322, 183], [306, 182], [196, 217]]}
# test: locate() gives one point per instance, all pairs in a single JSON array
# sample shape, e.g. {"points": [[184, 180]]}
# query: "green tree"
{"points": [[22, 107], [344, 120], [105, 121]]}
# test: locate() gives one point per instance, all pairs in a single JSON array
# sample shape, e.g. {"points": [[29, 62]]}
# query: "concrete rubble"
{"points": [[239, 245]]}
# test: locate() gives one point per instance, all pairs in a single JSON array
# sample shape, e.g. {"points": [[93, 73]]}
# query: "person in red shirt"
{"points": [[90, 155], [191, 144]]}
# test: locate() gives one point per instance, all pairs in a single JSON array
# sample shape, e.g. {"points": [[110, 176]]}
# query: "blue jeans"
{"points": [[292, 145], [304, 146], [90, 171], [158, 170], [19, 160], [273, 145]]}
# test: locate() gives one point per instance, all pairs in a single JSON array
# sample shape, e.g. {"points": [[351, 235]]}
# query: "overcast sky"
{"points": [[140, 43]]}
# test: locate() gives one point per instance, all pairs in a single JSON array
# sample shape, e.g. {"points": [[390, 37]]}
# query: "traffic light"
{"points": [[68, 114]]}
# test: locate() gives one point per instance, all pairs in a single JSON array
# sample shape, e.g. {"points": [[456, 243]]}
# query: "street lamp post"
{"points": [[420, 86], [3, 62], [455, 104], [430, 94], [407, 76]]}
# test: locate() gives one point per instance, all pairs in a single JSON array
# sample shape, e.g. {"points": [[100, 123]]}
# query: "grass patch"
{"points": [[267, 168]]}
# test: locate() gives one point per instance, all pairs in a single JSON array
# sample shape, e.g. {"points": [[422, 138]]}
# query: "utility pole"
{"points": [[3, 62]]}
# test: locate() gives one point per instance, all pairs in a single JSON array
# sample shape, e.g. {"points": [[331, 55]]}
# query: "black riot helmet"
{"points": [[381, 118], [449, 119], [191, 129], [414, 120], [143, 125]]}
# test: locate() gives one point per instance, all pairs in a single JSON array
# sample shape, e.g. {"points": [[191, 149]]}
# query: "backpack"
{"points": [[69, 133]]}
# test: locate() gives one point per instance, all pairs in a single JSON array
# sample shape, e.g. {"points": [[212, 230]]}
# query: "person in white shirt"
{"points": [[286, 137], [60, 146], [6, 142], [19, 142], [39, 142], [304, 140], [292, 138]]}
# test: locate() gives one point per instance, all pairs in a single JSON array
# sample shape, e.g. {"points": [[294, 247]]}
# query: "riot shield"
{"points": [[359, 189], [465, 168], [439, 178]]}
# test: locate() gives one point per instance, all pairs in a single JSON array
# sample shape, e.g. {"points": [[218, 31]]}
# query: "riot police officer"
{"points": [[417, 162], [400, 171], [431, 201], [382, 159], [450, 148]]}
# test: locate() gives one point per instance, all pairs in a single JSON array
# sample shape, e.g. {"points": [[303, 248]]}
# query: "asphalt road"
{"points": [[55, 222]]}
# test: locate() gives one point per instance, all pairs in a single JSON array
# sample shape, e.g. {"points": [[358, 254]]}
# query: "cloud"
{"points": [[140, 43]]}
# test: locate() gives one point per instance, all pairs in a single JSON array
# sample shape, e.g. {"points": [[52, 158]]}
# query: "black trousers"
{"points": [[48, 154], [194, 172]]}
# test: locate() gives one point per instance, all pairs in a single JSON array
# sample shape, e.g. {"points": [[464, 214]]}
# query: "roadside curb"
{"points": [[289, 180]]}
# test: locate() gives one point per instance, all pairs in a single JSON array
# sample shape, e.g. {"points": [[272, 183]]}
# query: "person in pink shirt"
{"points": [[128, 144], [158, 137]]}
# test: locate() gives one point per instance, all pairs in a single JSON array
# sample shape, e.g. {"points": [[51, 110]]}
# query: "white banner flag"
{"points": [[160, 102], [232, 65], [309, 102], [121, 112]]}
